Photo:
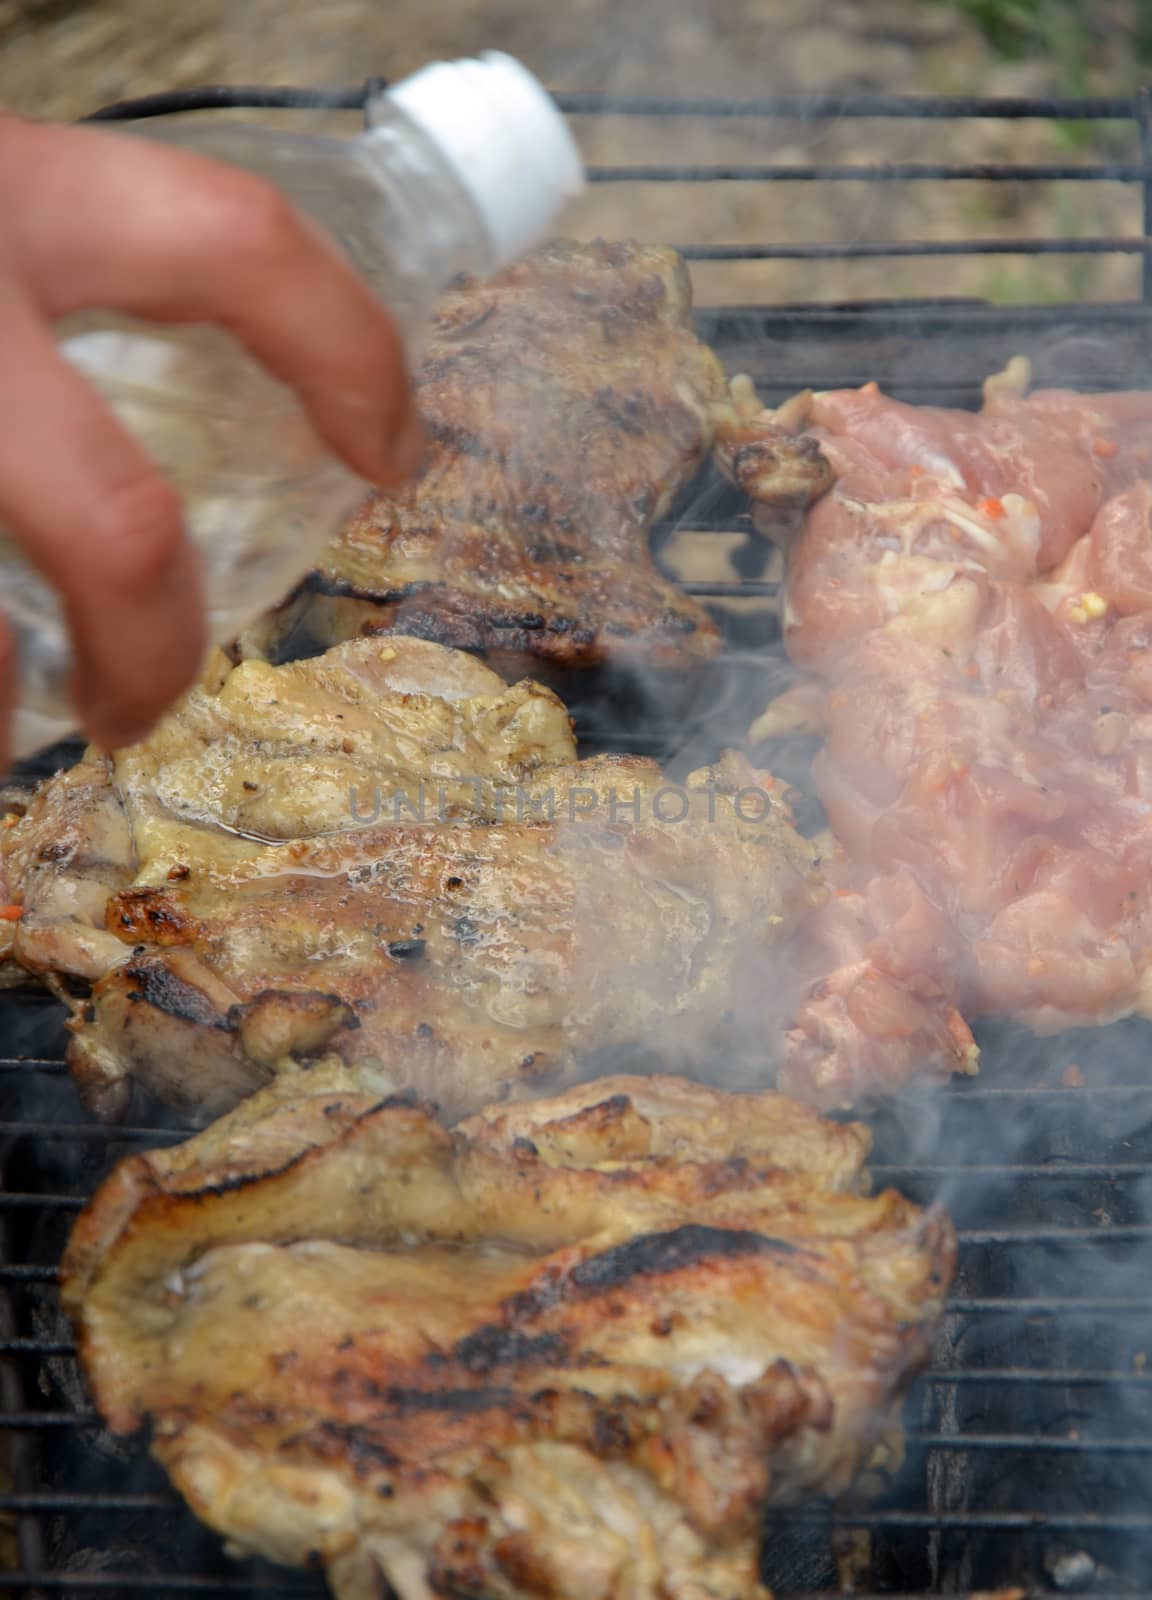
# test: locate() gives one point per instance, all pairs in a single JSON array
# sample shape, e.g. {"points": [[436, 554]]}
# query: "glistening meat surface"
{"points": [[389, 853], [570, 1351], [973, 602]]}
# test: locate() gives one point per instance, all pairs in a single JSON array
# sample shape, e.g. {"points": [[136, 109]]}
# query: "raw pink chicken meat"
{"points": [[974, 598]]}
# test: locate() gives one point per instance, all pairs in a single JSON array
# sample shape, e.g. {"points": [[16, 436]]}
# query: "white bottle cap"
{"points": [[505, 139]]}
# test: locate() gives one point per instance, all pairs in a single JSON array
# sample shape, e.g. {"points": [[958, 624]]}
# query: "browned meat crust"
{"points": [[234, 917], [567, 401], [569, 1351]]}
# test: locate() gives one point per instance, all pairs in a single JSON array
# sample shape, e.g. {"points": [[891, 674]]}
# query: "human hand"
{"points": [[91, 220]]}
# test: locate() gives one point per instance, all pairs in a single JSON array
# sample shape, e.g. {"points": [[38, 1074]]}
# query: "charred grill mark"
{"points": [[344, 589], [439, 619], [461, 1402], [348, 1442], [653, 1254], [406, 949], [154, 984], [495, 1346], [553, 637]]}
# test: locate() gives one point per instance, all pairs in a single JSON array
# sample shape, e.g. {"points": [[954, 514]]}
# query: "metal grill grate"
{"points": [[1028, 1439]]}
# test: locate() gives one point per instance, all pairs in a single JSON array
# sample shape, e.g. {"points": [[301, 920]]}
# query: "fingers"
{"points": [[122, 224], [95, 516], [94, 220]]}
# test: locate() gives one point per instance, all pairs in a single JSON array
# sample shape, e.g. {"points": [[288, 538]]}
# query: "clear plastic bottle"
{"points": [[463, 167]]}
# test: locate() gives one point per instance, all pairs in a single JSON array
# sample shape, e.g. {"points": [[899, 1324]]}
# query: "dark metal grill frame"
{"points": [[1027, 1435]]}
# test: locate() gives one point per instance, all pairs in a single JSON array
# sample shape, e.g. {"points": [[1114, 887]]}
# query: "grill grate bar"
{"points": [[170, 1583], [1069, 1377], [179, 1583], [1043, 1094], [960, 1305], [889, 172], [1057, 1168], [935, 391], [930, 317], [1039, 1094], [91, 1130], [969, 1521], [35, 1421], [86, 1421], [886, 249], [158, 1584], [38, 1347], [78, 1500], [801, 108], [750, 589], [1102, 1172], [215, 97], [1106, 1233], [1070, 1521], [1031, 1442], [1038, 1305], [825, 107]]}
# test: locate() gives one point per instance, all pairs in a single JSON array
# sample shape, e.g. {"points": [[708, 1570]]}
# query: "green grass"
{"points": [[1067, 32]]}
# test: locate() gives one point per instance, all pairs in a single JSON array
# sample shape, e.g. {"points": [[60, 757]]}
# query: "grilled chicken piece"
{"points": [[571, 1350], [253, 885], [567, 401]]}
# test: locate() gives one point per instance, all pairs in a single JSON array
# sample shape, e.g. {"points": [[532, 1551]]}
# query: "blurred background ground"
{"points": [[61, 58]]}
